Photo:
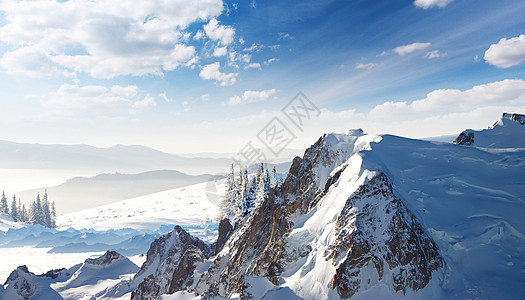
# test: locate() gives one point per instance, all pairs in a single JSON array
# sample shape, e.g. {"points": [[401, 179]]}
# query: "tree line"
{"points": [[246, 191], [40, 211]]}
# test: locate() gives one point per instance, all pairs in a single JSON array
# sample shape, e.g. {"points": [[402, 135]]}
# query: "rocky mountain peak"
{"points": [[169, 264], [106, 259]]}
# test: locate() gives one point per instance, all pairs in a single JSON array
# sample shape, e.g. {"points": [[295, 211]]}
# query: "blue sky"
{"points": [[195, 76]]}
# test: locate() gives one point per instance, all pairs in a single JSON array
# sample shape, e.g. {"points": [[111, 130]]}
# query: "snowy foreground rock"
{"points": [[358, 216]]}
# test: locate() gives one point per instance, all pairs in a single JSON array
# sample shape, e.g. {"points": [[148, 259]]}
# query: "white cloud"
{"points": [[368, 66], [507, 52], [212, 72], [219, 33], [271, 60], [253, 66], [452, 100], [407, 49], [220, 51], [143, 104], [101, 38], [252, 96], [185, 105], [199, 35], [434, 54], [425, 4], [204, 98], [125, 91], [165, 97], [72, 99]]}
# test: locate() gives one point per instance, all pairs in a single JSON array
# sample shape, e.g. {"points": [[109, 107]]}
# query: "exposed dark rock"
{"points": [[225, 230], [183, 276], [172, 256], [515, 117], [465, 139], [381, 233], [105, 259]]}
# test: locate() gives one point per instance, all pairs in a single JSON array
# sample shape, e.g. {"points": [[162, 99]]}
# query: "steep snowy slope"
{"points": [[508, 132], [193, 207]]}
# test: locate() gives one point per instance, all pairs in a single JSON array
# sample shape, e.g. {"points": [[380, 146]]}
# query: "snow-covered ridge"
{"points": [[507, 132]]}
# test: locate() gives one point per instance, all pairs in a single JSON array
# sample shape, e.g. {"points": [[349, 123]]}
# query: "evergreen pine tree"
{"points": [[3, 204], [37, 215], [227, 210], [274, 177], [25, 214], [14, 210], [46, 211], [53, 215]]}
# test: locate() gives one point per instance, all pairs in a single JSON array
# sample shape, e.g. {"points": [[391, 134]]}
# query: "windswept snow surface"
{"points": [[6, 222], [192, 207]]}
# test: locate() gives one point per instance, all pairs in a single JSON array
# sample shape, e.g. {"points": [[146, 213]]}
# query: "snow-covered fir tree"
{"points": [[46, 211], [3, 204], [245, 192], [15, 211]]}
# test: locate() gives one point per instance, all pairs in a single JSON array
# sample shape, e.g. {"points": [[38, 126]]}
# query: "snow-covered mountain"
{"points": [[508, 132], [82, 281], [363, 217], [372, 217]]}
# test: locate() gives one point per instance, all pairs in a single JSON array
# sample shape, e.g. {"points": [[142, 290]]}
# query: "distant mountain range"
{"points": [[118, 158]]}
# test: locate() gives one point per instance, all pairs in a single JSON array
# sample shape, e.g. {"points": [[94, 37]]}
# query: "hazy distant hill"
{"points": [[86, 192], [118, 158]]}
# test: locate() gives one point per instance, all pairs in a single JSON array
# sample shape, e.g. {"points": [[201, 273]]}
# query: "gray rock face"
{"points": [[169, 257], [376, 230]]}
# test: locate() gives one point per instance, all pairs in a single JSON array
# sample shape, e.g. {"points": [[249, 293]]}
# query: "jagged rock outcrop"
{"points": [[169, 264], [106, 259], [465, 139], [515, 117], [376, 230]]}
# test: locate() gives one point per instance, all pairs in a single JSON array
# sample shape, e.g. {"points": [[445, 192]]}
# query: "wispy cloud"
{"points": [[426, 4], [434, 54], [407, 49], [284, 35], [368, 66]]}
